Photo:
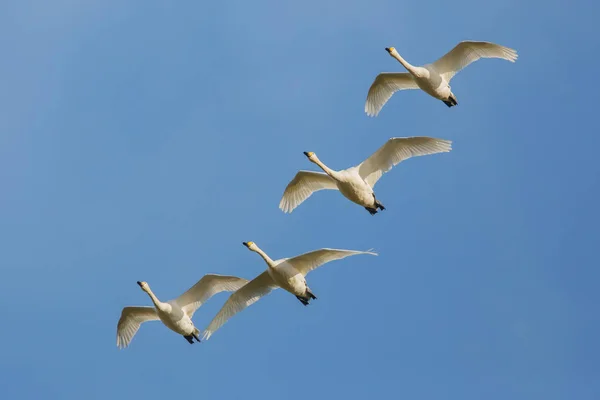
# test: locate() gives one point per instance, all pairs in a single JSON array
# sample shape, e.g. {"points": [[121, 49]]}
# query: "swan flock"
{"points": [[355, 183]]}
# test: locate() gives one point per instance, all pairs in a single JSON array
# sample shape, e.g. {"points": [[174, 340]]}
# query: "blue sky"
{"points": [[147, 141]]}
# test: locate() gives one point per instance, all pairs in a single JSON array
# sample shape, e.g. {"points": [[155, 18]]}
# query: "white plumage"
{"points": [[356, 183], [286, 273], [175, 314], [434, 78]]}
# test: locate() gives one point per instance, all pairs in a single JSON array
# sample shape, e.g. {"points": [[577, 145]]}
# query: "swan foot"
{"points": [[302, 300], [190, 339], [377, 204], [451, 101], [195, 335], [310, 294], [371, 211]]}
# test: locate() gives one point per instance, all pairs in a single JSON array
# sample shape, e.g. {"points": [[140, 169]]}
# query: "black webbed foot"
{"points": [[190, 339], [302, 300]]}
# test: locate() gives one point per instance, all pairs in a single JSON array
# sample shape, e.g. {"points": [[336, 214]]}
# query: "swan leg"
{"points": [[190, 339], [195, 335], [310, 294], [448, 103]]}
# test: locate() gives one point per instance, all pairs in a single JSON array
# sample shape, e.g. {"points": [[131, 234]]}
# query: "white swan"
{"points": [[175, 314], [356, 183], [434, 79], [286, 273]]}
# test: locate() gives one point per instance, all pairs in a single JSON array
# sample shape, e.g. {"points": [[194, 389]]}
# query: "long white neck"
{"points": [[409, 67], [155, 300], [265, 257], [326, 169]]}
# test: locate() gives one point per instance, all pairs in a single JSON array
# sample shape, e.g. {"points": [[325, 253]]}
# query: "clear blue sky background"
{"points": [[145, 141]]}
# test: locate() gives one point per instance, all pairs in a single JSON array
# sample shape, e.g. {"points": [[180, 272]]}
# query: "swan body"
{"points": [[434, 79], [356, 183], [175, 314], [286, 273]]}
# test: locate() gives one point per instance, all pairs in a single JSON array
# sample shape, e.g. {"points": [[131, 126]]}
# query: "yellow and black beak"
{"points": [[248, 244], [389, 49], [308, 154]]}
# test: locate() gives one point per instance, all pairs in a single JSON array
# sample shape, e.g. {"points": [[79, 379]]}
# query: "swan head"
{"points": [[144, 285], [392, 51], [311, 156], [250, 245]]}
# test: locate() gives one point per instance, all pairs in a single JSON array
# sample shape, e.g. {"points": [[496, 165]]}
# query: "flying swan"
{"points": [[175, 314], [356, 183], [286, 273], [433, 79]]}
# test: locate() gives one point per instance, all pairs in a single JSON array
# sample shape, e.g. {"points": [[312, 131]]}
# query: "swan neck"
{"points": [[265, 257], [155, 300], [406, 64], [325, 168]]}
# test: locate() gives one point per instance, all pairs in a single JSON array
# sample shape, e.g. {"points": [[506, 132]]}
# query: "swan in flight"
{"points": [[433, 79], [356, 183], [286, 273], [175, 314]]}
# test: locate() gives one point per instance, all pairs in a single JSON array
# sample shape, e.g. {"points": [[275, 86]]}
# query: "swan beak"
{"points": [[389, 49], [139, 283], [248, 244], [308, 154]]}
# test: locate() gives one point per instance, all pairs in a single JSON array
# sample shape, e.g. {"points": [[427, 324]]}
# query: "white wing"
{"points": [[244, 297], [396, 150], [467, 52], [384, 86], [307, 262], [130, 321], [207, 287], [304, 184]]}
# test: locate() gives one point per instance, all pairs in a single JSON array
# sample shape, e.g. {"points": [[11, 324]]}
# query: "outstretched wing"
{"points": [[396, 150], [304, 184], [307, 262], [384, 86], [130, 321], [467, 52], [205, 288], [249, 294]]}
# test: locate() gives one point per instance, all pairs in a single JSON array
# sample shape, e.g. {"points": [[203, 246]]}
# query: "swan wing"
{"points": [[304, 184], [205, 288], [130, 321], [396, 150], [247, 295], [307, 262], [384, 86], [467, 52]]}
